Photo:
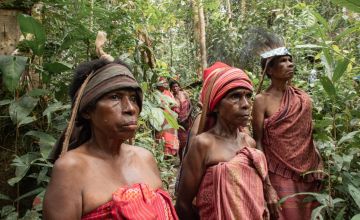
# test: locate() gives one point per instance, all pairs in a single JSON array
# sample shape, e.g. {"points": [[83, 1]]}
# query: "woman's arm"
{"points": [[63, 199], [258, 113], [258, 116], [192, 172]]}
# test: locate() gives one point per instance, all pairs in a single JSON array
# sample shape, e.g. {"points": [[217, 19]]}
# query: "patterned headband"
{"points": [[280, 51]]}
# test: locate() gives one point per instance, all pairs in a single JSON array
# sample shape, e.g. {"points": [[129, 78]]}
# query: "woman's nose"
{"points": [[128, 106]]}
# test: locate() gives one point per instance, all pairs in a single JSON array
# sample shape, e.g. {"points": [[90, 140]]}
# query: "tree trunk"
{"points": [[203, 53], [196, 34], [229, 12], [243, 9]]}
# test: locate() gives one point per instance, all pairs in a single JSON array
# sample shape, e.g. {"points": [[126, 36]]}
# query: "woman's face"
{"points": [[283, 68], [116, 114], [234, 108], [175, 88]]}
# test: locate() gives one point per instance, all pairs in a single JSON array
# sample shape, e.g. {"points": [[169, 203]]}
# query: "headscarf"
{"points": [[215, 87], [216, 65], [111, 77], [108, 78]]}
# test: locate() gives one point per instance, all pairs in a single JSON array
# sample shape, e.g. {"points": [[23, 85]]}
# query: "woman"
{"points": [[225, 173], [168, 133], [184, 113], [282, 125], [101, 176]]}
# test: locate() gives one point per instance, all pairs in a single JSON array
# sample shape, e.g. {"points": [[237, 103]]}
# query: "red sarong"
{"points": [[289, 148], [234, 189], [138, 203]]}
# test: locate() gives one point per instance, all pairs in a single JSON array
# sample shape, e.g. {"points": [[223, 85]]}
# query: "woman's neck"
{"points": [[226, 129], [105, 146], [279, 85]]}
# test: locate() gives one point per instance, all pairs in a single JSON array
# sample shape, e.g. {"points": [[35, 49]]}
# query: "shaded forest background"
{"points": [[42, 41]]}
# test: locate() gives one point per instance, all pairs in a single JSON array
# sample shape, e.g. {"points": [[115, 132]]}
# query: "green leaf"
{"points": [[22, 165], [156, 118], [57, 106], [4, 197], [31, 193], [12, 67], [321, 20], [321, 198], [328, 86], [46, 142], [356, 217], [171, 120], [355, 194], [353, 5], [28, 25], [5, 102], [348, 137], [340, 215], [57, 67], [38, 92], [26, 120], [348, 31], [340, 68], [316, 213], [20, 109]]}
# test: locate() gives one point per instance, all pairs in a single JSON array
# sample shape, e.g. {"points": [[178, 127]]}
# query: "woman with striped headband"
{"points": [[222, 170], [282, 126], [101, 176]]}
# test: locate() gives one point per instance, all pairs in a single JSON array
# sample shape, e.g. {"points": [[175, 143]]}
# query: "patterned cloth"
{"points": [[290, 152], [294, 208], [287, 140], [234, 189], [137, 202]]}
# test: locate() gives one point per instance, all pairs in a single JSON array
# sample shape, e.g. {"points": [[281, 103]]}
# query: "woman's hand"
{"points": [[272, 201]]}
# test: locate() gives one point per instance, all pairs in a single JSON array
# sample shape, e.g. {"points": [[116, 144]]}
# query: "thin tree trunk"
{"points": [[243, 9], [229, 12], [196, 34], [203, 52]]}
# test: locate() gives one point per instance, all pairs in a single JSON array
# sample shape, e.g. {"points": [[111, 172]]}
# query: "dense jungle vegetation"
{"points": [[176, 39]]}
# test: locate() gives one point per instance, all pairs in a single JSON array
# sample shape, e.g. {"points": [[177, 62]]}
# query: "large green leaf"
{"points": [[340, 68], [328, 86], [22, 165], [12, 67], [348, 137], [353, 5], [19, 110], [57, 67], [355, 194], [171, 120], [46, 142], [356, 217], [57, 106], [156, 118], [28, 25], [316, 213]]}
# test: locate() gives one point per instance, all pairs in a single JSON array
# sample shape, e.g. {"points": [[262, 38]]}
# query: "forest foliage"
{"points": [[157, 38]]}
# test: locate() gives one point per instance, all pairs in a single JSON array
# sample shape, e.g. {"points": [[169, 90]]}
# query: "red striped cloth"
{"points": [[137, 202], [288, 142], [211, 69], [234, 189], [223, 81]]}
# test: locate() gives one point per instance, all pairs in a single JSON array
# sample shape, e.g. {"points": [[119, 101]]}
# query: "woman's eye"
{"points": [[114, 97], [133, 98], [249, 96]]}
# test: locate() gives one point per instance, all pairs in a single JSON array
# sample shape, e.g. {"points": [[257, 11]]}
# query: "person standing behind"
{"points": [[168, 134], [282, 126], [184, 113]]}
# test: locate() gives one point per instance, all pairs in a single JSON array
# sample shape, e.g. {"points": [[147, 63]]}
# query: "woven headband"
{"points": [[280, 51]]}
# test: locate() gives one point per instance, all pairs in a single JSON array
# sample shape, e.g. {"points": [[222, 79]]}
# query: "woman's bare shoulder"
{"points": [[72, 163]]}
